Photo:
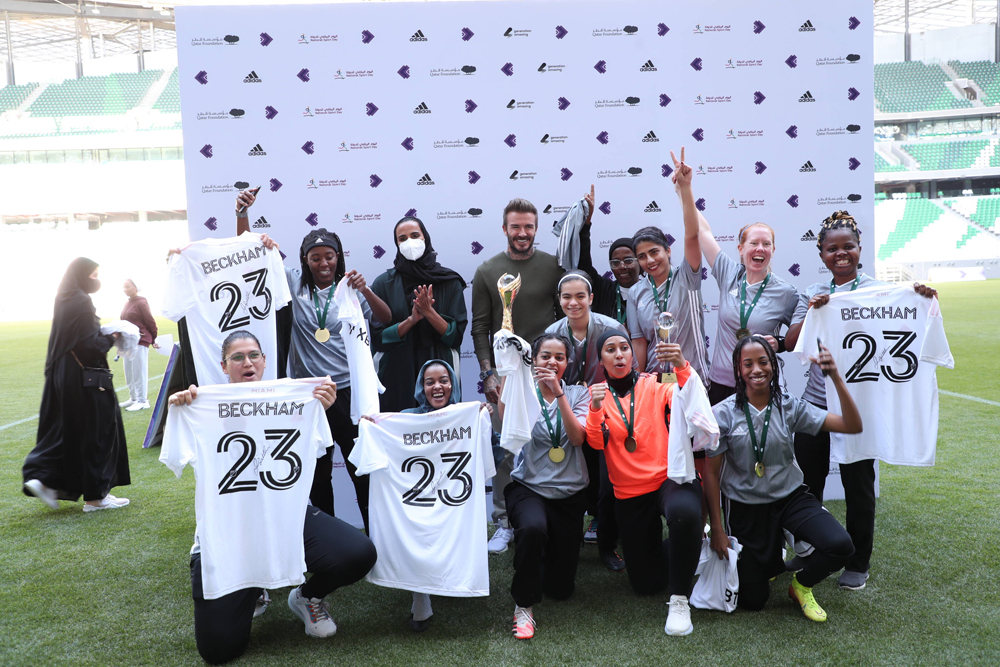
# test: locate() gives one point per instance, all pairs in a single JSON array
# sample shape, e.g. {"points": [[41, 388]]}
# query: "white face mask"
{"points": [[412, 249]]}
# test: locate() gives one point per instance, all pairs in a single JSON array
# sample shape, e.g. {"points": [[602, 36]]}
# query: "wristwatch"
{"points": [[485, 374]]}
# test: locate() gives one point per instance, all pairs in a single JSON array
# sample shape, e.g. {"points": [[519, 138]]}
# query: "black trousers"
{"points": [[593, 491], [813, 454], [719, 392], [344, 433], [337, 554], [759, 530], [653, 562], [607, 522], [547, 543]]}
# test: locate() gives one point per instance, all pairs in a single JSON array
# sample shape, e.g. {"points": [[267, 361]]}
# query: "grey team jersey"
{"points": [[815, 391], [776, 307], [684, 302], [782, 474]]}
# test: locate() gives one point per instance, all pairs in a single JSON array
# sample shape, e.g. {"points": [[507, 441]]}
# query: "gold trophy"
{"points": [[664, 324], [508, 287]]}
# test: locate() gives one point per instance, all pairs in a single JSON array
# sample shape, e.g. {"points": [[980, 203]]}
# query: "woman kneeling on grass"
{"points": [[336, 553], [761, 484], [546, 494]]}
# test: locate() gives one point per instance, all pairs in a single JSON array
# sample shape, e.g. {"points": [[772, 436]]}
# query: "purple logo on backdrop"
{"points": [[605, 208], [853, 164], [508, 69], [304, 75], [211, 223], [793, 201], [470, 106], [853, 23], [608, 275], [792, 61], [696, 64], [270, 112], [667, 170], [561, 32], [477, 247], [704, 274], [759, 167], [792, 131], [603, 138], [467, 34], [664, 100], [370, 109], [795, 269], [758, 97], [407, 143], [201, 77], [411, 213], [275, 185], [404, 71], [563, 104], [206, 150], [309, 147], [479, 387], [758, 27], [265, 39], [700, 204], [699, 134], [662, 29], [853, 94], [601, 66], [366, 37], [473, 178], [670, 240], [378, 251], [565, 174], [511, 140], [374, 181], [312, 219]]}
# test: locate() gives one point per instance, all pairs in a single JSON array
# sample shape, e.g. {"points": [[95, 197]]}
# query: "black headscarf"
{"points": [[624, 242], [74, 316], [422, 271]]}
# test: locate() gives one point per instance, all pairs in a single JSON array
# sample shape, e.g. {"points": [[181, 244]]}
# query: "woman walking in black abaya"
{"points": [[80, 448]]}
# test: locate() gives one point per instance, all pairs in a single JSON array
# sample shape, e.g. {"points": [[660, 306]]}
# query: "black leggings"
{"points": [[337, 554], [813, 455], [607, 523], [653, 562], [344, 433], [547, 543]]}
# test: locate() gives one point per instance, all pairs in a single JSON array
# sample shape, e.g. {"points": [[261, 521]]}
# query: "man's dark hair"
{"points": [[519, 205]]}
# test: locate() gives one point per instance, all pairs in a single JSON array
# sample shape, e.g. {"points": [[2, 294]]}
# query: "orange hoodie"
{"points": [[642, 471]]}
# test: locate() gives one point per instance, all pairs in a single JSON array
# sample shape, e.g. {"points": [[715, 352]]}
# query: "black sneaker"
{"points": [[612, 561]]}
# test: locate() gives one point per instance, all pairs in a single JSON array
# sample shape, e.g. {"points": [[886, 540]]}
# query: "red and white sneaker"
{"points": [[313, 612], [524, 623]]}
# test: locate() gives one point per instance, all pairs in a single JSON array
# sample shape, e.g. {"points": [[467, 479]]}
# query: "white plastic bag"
{"points": [[718, 586]]}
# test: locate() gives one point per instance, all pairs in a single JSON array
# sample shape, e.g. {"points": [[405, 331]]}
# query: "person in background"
{"points": [[137, 312], [535, 308], [80, 448], [428, 321]]}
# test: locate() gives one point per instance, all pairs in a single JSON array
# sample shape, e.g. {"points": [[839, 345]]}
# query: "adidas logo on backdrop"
{"points": [[252, 78], [807, 167], [648, 67], [807, 27], [650, 138], [425, 180], [422, 108], [256, 151], [652, 208], [808, 236], [808, 97], [418, 36]]}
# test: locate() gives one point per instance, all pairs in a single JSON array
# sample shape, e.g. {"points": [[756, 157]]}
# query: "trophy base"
{"points": [[668, 377]]}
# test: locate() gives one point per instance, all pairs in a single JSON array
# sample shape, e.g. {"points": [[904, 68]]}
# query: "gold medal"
{"points": [[668, 377], [557, 454], [630, 444], [759, 468], [322, 335], [742, 333]]}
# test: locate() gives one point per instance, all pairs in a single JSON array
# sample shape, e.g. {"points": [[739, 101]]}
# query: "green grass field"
{"points": [[113, 588]]}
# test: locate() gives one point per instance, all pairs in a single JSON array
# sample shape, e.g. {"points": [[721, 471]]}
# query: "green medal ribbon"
{"points": [[744, 313], [666, 291], [321, 317], [621, 314], [555, 436], [758, 452], [833, 285], [629, 423]]}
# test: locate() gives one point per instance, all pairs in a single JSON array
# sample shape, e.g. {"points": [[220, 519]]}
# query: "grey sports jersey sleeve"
{"points": [[804, 417]]}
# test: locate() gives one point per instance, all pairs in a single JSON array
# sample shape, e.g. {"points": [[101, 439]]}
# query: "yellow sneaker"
{"points": [[803, 596]]}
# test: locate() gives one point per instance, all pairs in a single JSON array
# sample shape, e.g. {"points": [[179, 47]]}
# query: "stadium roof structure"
{"points": [[890, 15]]}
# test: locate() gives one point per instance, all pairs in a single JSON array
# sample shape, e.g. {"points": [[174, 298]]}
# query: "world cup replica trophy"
{"points": [[508, 287], [664, 325]]}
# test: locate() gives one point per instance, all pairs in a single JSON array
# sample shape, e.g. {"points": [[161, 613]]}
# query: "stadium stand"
{"points": [[170, 99], [920, 230], [933, 156], [984, 211], [113, 94], [985, 73], [11, 97], [882, 166], [914, 86]]}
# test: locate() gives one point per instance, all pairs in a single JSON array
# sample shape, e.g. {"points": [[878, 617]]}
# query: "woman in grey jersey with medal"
{"points": [[752, 299], [546, 495], [315, 345], [761, 485]]}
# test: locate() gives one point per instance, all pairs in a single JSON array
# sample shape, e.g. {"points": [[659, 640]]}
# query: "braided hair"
{"points": [[741, 385], [839, 220]]}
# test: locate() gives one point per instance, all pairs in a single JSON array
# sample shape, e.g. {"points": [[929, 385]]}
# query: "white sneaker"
{"points": [[125, 404], [261, 605], [498, 543], [679, 617], [524, 623], [314, 613], [109, 502], [137, 406], [42, 492]]}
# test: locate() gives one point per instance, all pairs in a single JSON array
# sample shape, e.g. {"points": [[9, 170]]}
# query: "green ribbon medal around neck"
{"points": [[666, 290], [322, 333], [556, 452], [744, 313], [630, 443], [758, 451], [854, 286], [621, 314]]}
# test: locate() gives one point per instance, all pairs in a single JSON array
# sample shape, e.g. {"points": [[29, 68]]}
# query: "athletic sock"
{"points": [[421, 608]]}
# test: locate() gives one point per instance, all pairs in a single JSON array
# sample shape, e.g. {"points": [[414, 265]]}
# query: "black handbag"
{"points": [[96, 378]]}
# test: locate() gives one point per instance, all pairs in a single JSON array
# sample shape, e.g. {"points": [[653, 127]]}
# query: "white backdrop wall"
{"points": [[353, 115]]}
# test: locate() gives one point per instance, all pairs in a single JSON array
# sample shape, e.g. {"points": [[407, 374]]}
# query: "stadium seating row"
{"points": [[918, 229]]}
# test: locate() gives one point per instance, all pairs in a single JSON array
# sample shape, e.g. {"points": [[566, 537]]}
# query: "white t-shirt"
{"points": [[692, 427], [880, 336], [428, 498], [365, 385], [521, 409], [221, 286], [718, 585], [253, 447]]}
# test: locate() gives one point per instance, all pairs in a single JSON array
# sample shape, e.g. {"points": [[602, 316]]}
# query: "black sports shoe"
{"points": [[419, 626], [612, 561]]}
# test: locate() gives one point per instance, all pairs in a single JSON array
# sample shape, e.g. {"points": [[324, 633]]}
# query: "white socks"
{"points": [[421, 608]]}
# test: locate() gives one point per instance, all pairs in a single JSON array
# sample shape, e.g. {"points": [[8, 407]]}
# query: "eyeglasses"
{"points": [[629, 262], [239, 357]]}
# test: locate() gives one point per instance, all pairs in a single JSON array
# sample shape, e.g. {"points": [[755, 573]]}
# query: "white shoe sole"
{"points": [[110, 506], [685, 633], [304, 615], [37, 489]]}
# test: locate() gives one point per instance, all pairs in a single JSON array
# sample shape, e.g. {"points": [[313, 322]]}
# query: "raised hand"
{"points": [[355, 280], [546, 377], [819, 300], [424, 300], [598, 393], [825, 362], [924, 290], [682, 172], [669, 352], [184, 397], [590, 201], [326, 393], [245, 198]]}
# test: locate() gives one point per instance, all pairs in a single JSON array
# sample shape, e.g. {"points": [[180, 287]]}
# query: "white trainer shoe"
{"points": [[42, 492], [679, 617], [501, 538], [524, 623], [135, 407], [313, 612], [109, 502], [125, 404], [261, 605]]}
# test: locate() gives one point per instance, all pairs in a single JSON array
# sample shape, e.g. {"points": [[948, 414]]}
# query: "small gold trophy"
{"points": [[508, 287], [664, 323]]}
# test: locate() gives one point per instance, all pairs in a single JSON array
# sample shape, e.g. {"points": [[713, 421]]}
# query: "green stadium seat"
{"points": [[933, 156], [918, 215], [914, 86], [113, 94], [11, 97]]}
